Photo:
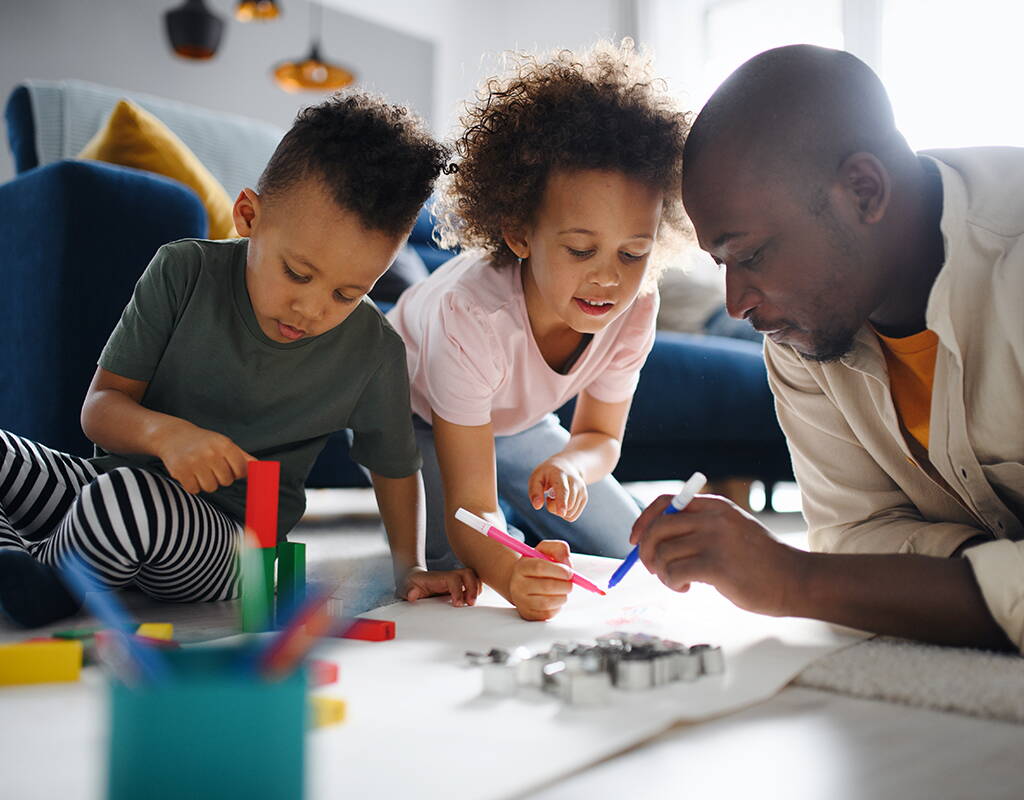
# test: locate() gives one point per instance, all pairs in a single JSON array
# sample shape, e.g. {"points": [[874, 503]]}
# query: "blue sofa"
{"points": [[75, 235]]}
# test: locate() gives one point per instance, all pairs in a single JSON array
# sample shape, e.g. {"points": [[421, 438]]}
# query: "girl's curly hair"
{"points": [[601, 109]]}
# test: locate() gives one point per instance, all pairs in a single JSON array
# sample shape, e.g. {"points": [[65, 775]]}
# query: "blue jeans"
{"points": [[602, 529]]}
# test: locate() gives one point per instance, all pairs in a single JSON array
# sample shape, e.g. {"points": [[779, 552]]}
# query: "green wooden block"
{"points": [[291, 577], [257, 588]]}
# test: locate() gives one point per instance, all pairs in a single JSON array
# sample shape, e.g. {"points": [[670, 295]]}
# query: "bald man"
{"points": [[889, 285]]}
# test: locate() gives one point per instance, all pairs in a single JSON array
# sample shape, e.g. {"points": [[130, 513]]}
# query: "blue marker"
{"points": [[679, 502]]}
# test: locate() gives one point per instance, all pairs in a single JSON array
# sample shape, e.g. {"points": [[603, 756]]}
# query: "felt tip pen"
{"points": [[482, 525], [679, 502]]}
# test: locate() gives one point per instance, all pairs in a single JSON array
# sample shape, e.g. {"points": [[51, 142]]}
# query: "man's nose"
{"points": [[740, 298]]}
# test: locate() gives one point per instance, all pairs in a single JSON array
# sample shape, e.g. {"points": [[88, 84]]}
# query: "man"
{"points": [[890, 289]]}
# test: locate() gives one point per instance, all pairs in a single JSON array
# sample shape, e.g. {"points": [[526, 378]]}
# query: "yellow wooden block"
{"points": [[156, 630], [325, 711], [40, 662]]}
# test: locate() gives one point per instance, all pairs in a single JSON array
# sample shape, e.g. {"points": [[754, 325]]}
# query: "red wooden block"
{"points": [[369, 630], [322, 673], [261, 501]]}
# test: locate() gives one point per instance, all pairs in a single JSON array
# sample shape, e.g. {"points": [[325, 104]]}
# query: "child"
{"points": [[569, 173], [259, 347]]}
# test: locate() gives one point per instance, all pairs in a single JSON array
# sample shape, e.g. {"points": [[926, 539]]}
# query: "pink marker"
{"points": [[482, 525]]}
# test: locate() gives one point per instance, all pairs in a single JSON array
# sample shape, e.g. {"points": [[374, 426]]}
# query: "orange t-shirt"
{"points": [[911, 362]]}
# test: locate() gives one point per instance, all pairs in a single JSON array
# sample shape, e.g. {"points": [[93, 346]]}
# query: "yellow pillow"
{"points": [[132, 137]]}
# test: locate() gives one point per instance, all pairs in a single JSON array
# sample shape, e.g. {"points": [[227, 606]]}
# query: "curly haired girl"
{"points": [[568, 174]]}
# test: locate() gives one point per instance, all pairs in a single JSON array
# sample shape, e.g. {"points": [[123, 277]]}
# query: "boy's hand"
{"points": [[462, 584], [201, 460], [559, 477], [713, 541], [539, 588]]}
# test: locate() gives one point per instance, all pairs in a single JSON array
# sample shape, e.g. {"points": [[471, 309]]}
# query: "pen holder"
{"points": [[216, 729]]}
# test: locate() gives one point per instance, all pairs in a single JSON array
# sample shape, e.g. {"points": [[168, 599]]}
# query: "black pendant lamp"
{"points": [[257, 10], [312, 73], [194, 31]]}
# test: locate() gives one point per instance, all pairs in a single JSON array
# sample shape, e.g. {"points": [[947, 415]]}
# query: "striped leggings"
{"points": [[130, 526]]}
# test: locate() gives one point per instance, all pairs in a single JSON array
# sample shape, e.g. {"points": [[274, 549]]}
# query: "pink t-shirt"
{"points": [[473, 359]]}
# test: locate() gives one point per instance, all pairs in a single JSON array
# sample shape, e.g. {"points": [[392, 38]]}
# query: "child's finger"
{"points": [[455, 588], [555, 548], [548, 587], [472, 584], [414, 594], [536, 489]]}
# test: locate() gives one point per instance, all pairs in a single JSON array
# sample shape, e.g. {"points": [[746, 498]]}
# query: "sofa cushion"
{"points": [[132, 137]]}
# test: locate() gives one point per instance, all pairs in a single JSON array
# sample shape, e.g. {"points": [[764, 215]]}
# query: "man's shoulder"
{"points": [[990, 180]]}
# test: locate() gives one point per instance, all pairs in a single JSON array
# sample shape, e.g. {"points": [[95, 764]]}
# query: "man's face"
{"points": [[797, 264]]}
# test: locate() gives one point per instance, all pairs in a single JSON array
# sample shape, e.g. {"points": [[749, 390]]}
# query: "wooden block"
{"points": [[291, 577], [322, 673], [257, 588], [156, 630], [263, 484], [368, 630], [40, 662], [325, 711]]}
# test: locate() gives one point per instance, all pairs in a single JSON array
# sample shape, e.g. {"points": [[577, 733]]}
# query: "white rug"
{"points": [[973, 682]]}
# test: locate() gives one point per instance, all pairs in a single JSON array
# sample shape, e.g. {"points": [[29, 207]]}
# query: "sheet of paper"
{"points": [[419, 726]]}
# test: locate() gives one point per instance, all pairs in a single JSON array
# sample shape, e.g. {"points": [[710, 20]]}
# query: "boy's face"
{"points": [[588, 249], [310, 261]]}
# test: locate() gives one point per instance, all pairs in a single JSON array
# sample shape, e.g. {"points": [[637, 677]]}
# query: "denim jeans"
{"points": [[602, 529]]}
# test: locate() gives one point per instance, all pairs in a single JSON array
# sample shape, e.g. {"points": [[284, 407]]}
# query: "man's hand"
{"points": [[199, 459], [565, 482], [462, 584], [713, 541], [539, 588]]}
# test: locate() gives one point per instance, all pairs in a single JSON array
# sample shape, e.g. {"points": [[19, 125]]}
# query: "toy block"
{"points": [[322, 673], [368, 630], [257, 588], [156, 630], [325, 711], [76, 633], [291, 576], [261, 495], [335, 608], [40, 662]]}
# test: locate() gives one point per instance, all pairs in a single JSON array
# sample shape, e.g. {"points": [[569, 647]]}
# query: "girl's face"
{"points": [[310, 262], [586, 255]]}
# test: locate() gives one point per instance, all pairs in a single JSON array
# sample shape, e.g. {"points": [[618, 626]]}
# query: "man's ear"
{"points": [[245, 212], [517, 242], [868, 182]]}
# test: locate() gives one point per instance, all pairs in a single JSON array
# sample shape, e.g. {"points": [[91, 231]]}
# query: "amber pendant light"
{"points": [[312, 73], [257, 10], [194, 31]]}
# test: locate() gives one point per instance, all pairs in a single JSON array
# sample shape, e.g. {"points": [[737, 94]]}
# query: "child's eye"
{"points": [[342, 298], [580, 253], [750, 260], [294, 275], [632, 256]]}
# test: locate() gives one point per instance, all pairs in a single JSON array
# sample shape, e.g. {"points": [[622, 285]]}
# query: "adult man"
{"points": [[889, 286]]}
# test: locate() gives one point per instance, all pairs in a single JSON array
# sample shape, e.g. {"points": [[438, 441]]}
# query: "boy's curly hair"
{"points": [[375, 159], [602, 109]]}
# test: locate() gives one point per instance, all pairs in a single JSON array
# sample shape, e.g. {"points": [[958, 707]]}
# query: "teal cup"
{"points": [[216, 729]]}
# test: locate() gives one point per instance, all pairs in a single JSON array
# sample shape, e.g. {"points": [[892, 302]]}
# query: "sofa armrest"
{"points": [[75, 236]]}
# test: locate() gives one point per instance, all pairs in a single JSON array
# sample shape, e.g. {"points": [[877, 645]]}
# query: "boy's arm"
{"points": [[593, 449], [713, 541], [465, 455], [113, 418]]}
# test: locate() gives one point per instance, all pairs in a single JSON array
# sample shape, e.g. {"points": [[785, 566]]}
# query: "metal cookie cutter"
{"points": [[712, 662]]}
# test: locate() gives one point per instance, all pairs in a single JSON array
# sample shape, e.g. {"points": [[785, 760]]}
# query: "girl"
{"points": [[569, 172]]}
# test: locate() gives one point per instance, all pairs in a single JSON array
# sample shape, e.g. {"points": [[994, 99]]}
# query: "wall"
{"points": [[122, 43]]}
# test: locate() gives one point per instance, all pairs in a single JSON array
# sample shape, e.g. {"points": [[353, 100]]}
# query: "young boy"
{"points": [[256, 348]]}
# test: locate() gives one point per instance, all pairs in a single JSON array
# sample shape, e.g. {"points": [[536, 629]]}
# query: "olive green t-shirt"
{"points": [[191, 333]]}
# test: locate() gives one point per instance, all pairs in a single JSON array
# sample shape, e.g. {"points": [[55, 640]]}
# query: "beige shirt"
{"points": [[864, 489]]}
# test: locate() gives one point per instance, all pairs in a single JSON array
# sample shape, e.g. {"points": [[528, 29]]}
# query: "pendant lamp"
{"points": [[193, 30], [257, 10], [312, 73]]}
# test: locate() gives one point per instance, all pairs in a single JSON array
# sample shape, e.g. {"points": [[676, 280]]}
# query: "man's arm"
{"points": [[920, 597]]}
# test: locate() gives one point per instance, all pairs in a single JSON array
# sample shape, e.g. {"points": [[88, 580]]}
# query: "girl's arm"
{"points": [[593, 450], [403, 511], [465, 455], [114, 418]]}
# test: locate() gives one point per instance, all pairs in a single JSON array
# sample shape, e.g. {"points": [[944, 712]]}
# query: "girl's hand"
{"points": [[539, 588], [201, 460], [462, 584], [559, 484]]}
